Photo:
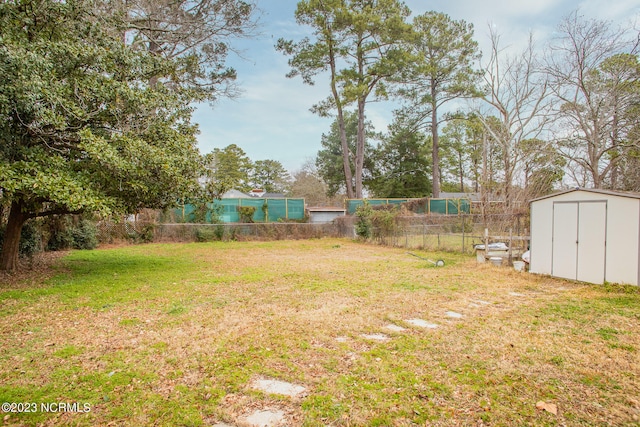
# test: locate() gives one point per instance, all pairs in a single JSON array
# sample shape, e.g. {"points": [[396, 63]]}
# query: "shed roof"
{"points": [[474, 197], [326, 209], [235, 194], [590, 190]]}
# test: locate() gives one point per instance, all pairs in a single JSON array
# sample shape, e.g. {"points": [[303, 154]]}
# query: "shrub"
{"points": [[71, 232], [30, 239], [246, 213], [204, 234], [60, 234], [364, 225], [376, 223], [85, 235], [148, 233]]}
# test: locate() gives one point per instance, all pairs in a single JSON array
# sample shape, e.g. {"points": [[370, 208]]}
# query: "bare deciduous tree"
{"points": [[517, 95], [594, 74]]}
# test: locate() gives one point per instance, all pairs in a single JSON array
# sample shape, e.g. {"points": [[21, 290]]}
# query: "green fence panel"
{"points": [[352, 205], [258, 215], [452, 206], [295, 208], [465, 206], [228, 210], [185, 213], [277, 209], [438, 206]]}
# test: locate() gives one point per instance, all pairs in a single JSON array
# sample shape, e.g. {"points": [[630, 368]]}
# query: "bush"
{"points": [[60, 234], [30, 239], [219, 232], [85, 235], [246, 213], [364, 226], [68, 232], [204, 213], [376, 223], [147, 234], [205, 234]]}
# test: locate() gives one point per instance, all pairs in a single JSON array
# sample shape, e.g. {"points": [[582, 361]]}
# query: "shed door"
{"points": [[564, 258], [592, 238], [579, 240]]}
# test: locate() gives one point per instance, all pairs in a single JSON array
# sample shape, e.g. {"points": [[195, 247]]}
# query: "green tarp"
{"points": [[436, 206], [227, 210]]}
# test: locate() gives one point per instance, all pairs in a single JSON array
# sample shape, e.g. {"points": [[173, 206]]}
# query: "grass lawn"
{"points": [[173, 334]]}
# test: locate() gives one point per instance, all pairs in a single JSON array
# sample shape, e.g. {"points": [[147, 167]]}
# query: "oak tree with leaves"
{"points": [[88, 120]]}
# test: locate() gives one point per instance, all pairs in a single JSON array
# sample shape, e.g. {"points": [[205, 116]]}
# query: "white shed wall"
{"points": [[323, 217], [541, 236], [623, 241], [621, 224]]}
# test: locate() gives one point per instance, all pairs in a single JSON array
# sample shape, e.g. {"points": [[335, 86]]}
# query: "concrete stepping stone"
{"points": [[278, 387], [454, 315], [342, 339], [481, 302], [264, 418], [375, 337], [516, 294], [422, 323], [395, 328]]}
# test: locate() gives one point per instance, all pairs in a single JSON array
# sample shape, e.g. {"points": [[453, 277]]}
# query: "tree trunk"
{"points": [[346, 164], [461, 169], [11, 243], [435, 156], [360, 139]]}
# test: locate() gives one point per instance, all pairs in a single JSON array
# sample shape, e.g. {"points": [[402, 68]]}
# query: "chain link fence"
{"points": [[140, 232], [458, 233]]}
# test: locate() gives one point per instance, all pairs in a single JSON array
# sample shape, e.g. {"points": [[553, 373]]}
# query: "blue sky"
{"points": [[271, 118]]}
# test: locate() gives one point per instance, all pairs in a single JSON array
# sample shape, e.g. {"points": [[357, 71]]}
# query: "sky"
{"points": [[271, 118]]}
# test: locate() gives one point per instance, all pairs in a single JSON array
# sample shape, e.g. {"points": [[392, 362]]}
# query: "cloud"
{"points": [[271, 120]]}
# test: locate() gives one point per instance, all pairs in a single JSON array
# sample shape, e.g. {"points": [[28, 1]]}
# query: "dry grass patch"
{"points": [[174, 335]]}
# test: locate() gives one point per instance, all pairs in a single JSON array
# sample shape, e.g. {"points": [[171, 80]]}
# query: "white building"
{"points": [[587, 235], [324, 215]]}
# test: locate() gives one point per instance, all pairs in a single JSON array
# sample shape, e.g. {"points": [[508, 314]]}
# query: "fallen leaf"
{"points": [[549, 407]]}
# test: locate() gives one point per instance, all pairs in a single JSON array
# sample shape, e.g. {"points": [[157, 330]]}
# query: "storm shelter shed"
{"points": [[587, 235]]}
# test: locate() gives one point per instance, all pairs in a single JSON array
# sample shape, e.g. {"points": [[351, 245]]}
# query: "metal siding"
{"points": [[622, 252], [622, 241], [541, 237], [564, 257], [592, 240]]}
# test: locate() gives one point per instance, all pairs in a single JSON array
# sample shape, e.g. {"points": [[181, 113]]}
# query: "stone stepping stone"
{"points": [[516, 294], [422, 323], [453, 315], [342, 339], [278, 387], [481, 302], [264, 418], [375, 337], [395, 328]]}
